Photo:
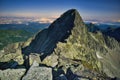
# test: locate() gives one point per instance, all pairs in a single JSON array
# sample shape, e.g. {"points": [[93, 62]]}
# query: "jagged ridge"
{"points": [[46, 40]]}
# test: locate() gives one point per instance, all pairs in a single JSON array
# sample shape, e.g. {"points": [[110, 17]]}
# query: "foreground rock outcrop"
{"points": [[12, 74], [38, 73], [72, 52]]}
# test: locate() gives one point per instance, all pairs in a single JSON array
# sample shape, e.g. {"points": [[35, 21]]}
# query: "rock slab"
{"points": [[12, 74], [38, 73]]}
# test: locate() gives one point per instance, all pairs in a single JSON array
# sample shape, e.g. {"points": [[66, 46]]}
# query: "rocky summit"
{"points": [[46, 40], [66, 50]]}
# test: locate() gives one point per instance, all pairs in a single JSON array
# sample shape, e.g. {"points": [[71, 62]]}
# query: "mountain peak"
{"points": [[69, 16], [46, 40], [71, 12]]}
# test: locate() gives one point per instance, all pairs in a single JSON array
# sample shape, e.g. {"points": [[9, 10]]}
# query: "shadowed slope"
{"points": [[46, 40]]}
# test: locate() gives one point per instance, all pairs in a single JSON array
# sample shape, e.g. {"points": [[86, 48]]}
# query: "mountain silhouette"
{"points": [[46, 40]]}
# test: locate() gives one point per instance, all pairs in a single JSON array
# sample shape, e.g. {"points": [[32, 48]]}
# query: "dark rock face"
{"points": [[46, 40], [115, 33], [5, 65]]}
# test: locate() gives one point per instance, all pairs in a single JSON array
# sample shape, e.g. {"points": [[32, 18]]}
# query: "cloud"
{"points": [[118, 20], [45, 20]]}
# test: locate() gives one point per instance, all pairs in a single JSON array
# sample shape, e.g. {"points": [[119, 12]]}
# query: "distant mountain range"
{"points": [[108, 30], [11, 33], [13, 36], [31, 27]]}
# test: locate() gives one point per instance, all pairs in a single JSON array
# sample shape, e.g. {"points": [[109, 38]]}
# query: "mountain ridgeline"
{"points": [[59, 30], [69, 49]]}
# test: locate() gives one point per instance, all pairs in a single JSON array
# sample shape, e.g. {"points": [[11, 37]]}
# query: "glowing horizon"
{"points": [[100, 10]]}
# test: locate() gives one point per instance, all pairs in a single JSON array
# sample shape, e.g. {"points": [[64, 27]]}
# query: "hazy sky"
{"points": [[101, 10]]}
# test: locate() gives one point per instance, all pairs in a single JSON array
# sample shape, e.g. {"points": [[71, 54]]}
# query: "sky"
{"points": [[94, 10]]}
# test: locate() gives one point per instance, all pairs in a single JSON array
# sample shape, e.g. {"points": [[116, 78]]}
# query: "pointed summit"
{"points": [[46, 40], [71, 18], [73, 14]]}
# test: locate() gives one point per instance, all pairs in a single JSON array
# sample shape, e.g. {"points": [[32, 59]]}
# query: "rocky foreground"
{"points": [[64, 51]]}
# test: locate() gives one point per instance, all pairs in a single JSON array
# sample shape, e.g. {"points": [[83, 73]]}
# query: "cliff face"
{"points": [[70, 49], [46, 40]]}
